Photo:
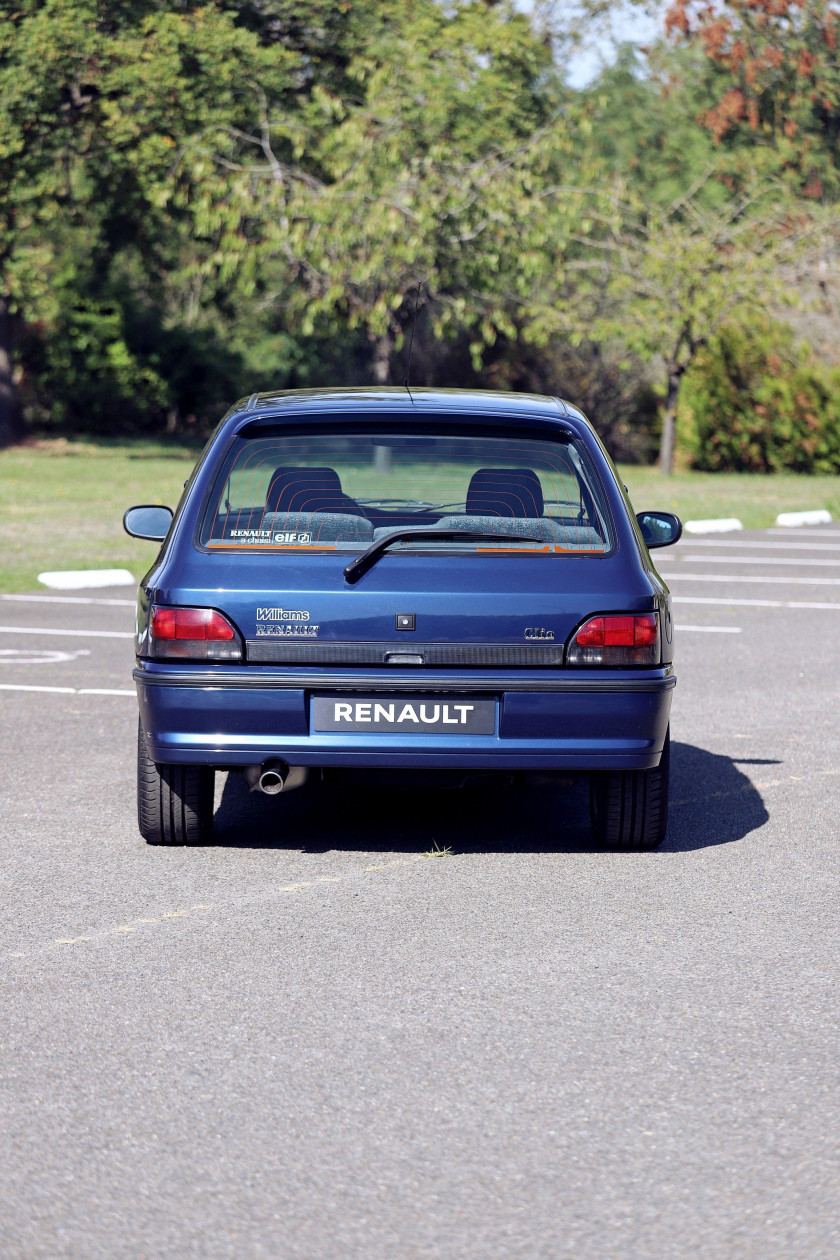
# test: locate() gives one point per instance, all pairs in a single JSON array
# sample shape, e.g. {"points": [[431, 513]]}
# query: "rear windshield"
{"points": [[316, 490]]}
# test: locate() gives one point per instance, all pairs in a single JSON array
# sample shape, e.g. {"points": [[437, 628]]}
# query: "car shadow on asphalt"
{"points": [[712, 802]]}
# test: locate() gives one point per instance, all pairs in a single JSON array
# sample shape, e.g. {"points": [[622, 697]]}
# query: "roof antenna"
{"points": [[411, 342]]}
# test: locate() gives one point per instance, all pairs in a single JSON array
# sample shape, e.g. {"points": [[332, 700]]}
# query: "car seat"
{"points": [[308, 490], [511, 492]]}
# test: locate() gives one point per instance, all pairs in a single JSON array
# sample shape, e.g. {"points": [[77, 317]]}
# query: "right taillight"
{"points": [[192, 634], [616, 639]]}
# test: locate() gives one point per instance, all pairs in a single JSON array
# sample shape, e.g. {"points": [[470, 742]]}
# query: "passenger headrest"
{"points": [[505, 492], [305, 490]]}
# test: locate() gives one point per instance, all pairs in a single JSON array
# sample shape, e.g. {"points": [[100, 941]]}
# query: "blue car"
{"points": [[436, 580]]}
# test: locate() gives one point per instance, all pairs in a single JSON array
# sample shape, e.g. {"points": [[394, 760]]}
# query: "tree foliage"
{"points": [[203, 197], [430, 170], [775, 86], [96, 103], [685, 269]]}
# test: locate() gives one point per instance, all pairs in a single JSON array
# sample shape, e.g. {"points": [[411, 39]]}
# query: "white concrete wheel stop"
{"points": [[86, 579], [817, 516], [721, 525]]}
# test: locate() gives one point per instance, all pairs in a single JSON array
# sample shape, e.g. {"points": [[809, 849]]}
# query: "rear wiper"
{"points": [[358, 568]]}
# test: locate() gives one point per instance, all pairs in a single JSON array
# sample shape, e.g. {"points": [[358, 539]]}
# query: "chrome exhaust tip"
{"points": [[275, 776]]}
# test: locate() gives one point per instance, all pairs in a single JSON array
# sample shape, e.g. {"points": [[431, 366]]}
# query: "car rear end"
{"points": [[425, 586]]}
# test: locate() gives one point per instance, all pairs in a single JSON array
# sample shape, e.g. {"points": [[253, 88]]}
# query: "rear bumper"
{"points": [[238, 716]]}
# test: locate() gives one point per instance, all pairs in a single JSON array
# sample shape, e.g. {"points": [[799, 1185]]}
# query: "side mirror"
{"points": [[148, 521], [659, 529]]}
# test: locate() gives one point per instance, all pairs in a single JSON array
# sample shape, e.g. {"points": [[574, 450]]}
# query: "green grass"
{"points": [[755, 499], [61, 502], [436, 851]]}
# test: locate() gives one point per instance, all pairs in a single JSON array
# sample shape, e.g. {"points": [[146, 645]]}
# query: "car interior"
{"points": [[308, 506]]}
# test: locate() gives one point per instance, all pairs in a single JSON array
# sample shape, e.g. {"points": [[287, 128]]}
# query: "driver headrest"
{"points": [[304, 490]]}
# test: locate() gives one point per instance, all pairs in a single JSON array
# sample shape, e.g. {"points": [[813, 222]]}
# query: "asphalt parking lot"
{"points": [[309, 1039]]}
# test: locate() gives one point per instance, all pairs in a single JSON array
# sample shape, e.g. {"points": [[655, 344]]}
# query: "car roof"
{"points": [[394, 399]]}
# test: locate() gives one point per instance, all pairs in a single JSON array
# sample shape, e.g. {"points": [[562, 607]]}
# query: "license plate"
{"points": [[405, 714]]}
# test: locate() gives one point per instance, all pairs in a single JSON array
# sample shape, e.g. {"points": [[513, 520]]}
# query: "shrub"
{"points": [[106, 368], [754, 401]]}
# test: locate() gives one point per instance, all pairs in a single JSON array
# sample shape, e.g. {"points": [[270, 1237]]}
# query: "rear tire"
{"points": [[174, 803], [629, 808]]}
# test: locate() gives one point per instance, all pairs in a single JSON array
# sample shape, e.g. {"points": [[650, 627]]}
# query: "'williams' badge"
{"points": [[285, 623]]}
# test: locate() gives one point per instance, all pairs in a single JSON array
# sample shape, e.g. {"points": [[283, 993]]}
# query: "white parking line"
{"points": [[77, 634], [39, 656], [745, 577], [806, 533], [749, 542], [69, 599], [797, 561], [64, 691], [68, 691], [708, 629], [751, 603], [104, 691]]}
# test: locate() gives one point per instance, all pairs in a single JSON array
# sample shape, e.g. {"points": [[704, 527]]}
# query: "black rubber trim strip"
{"points": [[292, 651], [422, 681]]}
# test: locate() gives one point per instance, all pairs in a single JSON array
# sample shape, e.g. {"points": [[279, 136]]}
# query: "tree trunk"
{"points": [[11, 429], [669, 422], [381, 365], [382, 460]]}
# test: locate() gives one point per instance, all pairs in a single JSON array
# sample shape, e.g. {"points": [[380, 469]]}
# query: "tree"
{"points": [[775, 82], [428, 171], [677, 273], [39, 104], [643, 119], [96, 105]]}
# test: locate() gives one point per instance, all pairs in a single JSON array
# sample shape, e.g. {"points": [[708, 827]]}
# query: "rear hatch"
{"points": [[499, 543], [416, 610]]}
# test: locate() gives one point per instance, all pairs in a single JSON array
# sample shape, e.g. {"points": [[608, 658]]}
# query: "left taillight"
{"points": [[616, 639], [192, 634]]}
